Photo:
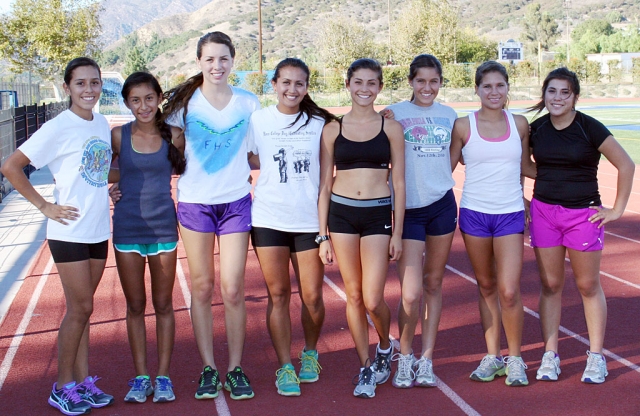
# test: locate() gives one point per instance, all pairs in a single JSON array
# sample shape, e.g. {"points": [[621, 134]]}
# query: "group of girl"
{"points": [[324, 189]]}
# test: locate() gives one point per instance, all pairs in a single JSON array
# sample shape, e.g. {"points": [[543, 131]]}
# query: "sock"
{"points": [[381, 351]]}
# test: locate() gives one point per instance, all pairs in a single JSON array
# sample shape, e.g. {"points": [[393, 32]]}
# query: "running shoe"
{"points": [[209, 384], [237, 384], [287, 382], [68, 401], [516, 376], [490, 367], [309, 368], [91, 394], [140, 388], [163, 391], [403, 379], [382, 365], [424, 373], [366, 384], [549, 367], [596, 369]]}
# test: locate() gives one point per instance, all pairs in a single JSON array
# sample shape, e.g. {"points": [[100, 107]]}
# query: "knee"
{"points": [[136, 307], [163, 305], [551, 287], [232, 295], [355, 300], [374, 304], [510, 297], [201, 290], [313, 301], [411, 301], [432, 284], [589, 288], [81, 311], [487, 288], [279, 296]]}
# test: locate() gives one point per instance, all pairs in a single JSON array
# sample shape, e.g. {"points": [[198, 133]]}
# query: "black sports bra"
{"points": [[371, 154]]}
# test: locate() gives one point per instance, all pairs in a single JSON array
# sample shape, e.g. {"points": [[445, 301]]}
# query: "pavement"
{"points": [[22, 231]]}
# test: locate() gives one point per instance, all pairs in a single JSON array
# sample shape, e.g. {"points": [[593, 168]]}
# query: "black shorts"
{"points": [[360, 216], [66, 252], [297, 242], [439, 218]]}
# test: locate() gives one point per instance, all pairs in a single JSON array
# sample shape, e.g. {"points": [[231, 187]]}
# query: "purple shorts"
{"points": [[479, 224], [555, 225], [234, 217]]}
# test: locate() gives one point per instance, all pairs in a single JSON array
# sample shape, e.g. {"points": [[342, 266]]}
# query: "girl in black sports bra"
{"points": [[355, 206]]}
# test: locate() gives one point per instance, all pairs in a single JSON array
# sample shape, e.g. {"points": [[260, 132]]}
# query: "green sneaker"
{"points": [[490, 367], [237, 383], [209, 384], [287, 382], [310, 368]]}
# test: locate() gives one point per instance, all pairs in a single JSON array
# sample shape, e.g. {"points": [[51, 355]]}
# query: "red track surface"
{"points": [[29, 375]]}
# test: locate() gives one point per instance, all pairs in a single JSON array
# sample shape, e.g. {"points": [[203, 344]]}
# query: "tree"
{"points": [[596, 27], [43, 35], [255, 82], [425, 26], [342, 41], [134, 61], [539, 27]]}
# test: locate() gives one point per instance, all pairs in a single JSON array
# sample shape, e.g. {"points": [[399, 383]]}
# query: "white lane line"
{"points": [[452, 395], [564, 330], [623, 237], [221, 404], [24, 323]]}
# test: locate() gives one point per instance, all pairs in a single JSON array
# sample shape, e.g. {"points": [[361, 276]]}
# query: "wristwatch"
{"points": [[321, 238]]}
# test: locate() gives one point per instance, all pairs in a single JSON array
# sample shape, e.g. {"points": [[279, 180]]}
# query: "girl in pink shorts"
{"points": [[567, 215]]}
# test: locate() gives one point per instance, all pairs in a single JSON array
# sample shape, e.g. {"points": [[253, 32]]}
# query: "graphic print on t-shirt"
{"points": [[281, 158], [215, 148], [430, 135], [96, 159], [292, 154]]}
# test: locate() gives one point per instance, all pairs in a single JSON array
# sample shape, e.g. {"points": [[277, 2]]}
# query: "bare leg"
{"points": [[310, 274], [551, 267], [163, 275], [374, 251], [410, 272]]}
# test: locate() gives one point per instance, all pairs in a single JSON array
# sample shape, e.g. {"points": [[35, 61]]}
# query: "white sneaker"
{"points": [[596, 369], [382, 365], [403, 379], [424, 373], [549, 367], [366, 385], [516, 376]]}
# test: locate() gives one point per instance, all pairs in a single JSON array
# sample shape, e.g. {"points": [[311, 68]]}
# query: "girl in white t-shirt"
{"points": [[285, 139], [214, 200], [76, 146]]}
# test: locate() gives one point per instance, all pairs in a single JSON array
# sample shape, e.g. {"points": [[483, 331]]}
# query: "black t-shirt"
{"points": [[567, 161]]}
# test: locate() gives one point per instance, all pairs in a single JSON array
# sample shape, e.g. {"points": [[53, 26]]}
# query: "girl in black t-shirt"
{"points": [[567, 215]]}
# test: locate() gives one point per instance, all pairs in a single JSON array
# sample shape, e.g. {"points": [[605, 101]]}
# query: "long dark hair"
{"points": [[559, 73], [178, 97], [424, 61], [77, 63], [307, 106], [144, 78]]}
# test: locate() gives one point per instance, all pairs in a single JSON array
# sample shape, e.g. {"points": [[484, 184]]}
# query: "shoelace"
{"points": [[163, 383], [548, 361], [287, 375], [593, 362], [404, 366], [381, 361], [71, 395], [515, 365], [137, 383], [207, 377], [309, 363], [90, 386], [488, 362], [238, 378], [365, 377], [423, 367]]}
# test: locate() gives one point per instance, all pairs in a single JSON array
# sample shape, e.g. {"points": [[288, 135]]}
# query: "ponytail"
{"points": [[309, 108], [177, 98], [177, 160]]}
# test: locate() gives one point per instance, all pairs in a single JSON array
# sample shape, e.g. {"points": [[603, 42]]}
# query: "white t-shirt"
{"points": [[215, 148], [78, 153], [286, 193], [427, 138]]}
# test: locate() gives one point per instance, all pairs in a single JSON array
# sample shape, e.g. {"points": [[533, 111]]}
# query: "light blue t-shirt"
{"points": [[427, 138]]}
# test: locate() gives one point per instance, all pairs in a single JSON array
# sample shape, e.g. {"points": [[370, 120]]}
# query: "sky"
{"points": [[4, 5]]}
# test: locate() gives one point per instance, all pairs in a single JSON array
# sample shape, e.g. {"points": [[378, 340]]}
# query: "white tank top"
{"points": [[492, 170]]}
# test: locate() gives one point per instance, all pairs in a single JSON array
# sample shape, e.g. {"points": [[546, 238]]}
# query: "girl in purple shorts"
{"points": [[494, 144], [567, 215], [214, 202]]}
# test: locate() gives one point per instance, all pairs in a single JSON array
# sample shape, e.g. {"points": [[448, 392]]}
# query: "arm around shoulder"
{"points": [[459, 134]]}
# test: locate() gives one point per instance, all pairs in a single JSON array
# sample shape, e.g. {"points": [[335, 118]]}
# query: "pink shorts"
{"points": [[555, 225]]}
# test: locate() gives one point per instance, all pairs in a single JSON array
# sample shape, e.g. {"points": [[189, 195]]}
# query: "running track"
{"points": [[28, 343]]}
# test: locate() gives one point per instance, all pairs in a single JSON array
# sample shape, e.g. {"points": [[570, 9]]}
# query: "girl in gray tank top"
{"points": [[145, 227]]}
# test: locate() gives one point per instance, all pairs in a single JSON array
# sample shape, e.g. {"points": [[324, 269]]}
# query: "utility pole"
{"points": [[389, 26], [567, 5], [260, 35]]}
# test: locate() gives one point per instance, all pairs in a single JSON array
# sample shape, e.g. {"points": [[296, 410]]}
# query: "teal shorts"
{"points": [[146, 249]]}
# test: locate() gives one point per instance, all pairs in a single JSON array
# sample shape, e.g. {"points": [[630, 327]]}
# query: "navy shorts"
{"points": [[479, 224], [360, 216], [67, 252], [439, 218], [297, 242]]}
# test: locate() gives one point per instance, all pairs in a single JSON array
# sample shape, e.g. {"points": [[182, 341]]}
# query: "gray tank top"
{"points": [[146, 212]]}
